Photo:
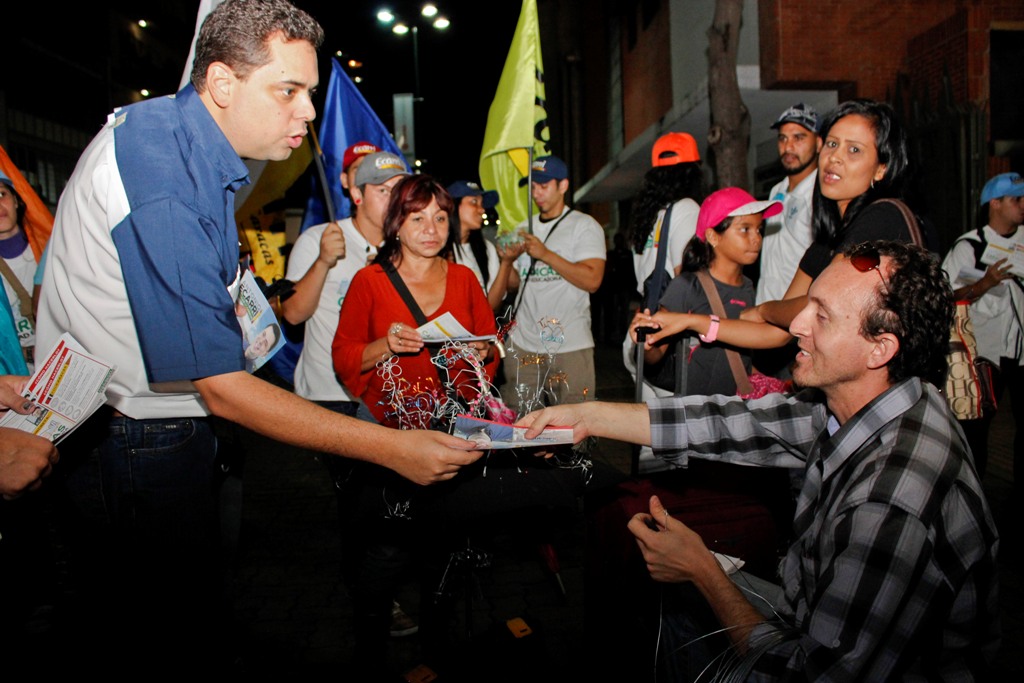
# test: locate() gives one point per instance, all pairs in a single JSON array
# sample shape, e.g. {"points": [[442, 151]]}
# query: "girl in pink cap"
{"points": [[728, 237]]}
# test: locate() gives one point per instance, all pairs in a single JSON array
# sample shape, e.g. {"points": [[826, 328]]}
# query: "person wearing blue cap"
{"points": [[994, 289], [492, 266], [561, 266]]}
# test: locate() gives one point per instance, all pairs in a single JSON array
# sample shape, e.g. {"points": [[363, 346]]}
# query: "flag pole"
{"points": [[529, 194], [318, 157]]}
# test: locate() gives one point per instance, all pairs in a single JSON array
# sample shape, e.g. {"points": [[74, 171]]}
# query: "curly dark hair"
{"points": [[663, 185], [237, 32], [916, 305], [411, 194], [891, 146]]}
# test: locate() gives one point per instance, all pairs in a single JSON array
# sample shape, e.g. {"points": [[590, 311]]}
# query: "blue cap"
{"points": [[6, 181], [466, 188], [1003, 185], [546, 169]]}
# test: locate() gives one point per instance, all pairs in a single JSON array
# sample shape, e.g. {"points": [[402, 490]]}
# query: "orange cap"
{"points": [[674, 148]]}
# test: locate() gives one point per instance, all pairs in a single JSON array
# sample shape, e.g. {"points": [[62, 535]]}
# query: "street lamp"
{"points": [[429, 12]]}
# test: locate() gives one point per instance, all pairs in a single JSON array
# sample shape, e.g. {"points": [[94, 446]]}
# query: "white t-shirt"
{"points": [[998, 313], [548, 296], [786, 237], [682, 226], [464, 255], [24, 268], [314, 372]]}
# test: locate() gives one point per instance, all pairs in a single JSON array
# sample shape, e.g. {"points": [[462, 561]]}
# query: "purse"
{"points": [[969, 391]]}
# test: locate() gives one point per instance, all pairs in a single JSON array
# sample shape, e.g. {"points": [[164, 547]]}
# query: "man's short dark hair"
{"points": [[916, 305], [237, 32]]}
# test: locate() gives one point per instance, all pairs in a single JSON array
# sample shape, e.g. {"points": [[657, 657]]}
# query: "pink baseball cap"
{"points": [[731, 201]]}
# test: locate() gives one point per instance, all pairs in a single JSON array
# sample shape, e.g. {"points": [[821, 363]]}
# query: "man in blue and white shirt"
{"points": [[142, 258]]}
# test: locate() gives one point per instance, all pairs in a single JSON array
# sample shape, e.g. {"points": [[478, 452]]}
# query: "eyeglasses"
{"points": [[869, 259]]}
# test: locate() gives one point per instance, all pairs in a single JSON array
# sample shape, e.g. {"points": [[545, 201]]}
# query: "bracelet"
{"points": [[712, 334]]}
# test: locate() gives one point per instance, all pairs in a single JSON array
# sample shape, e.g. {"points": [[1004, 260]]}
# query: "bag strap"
{"points": [[912, 224], [661, 238], [417, 313], [743, 385], [24, 298], [533, 261]]}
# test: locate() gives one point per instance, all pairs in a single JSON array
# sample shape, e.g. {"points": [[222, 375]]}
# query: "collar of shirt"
{"points": [[853, 435], [200, 126]]}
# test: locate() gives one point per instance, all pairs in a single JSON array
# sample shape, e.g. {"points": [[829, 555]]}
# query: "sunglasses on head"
{"points": [[869, 259]]}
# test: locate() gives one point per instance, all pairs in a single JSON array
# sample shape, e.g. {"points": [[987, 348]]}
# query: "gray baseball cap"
{"points": [[379, 167]]}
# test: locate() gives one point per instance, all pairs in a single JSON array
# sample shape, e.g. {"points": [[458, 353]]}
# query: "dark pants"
{"points": [[141, 521], [1008, 375], [377, 541]]}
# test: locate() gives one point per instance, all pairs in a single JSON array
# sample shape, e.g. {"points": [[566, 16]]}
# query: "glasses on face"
{"points": [[869, 259]]}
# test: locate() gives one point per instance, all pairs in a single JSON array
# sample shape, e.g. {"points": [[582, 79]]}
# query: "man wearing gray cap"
{"points": [[322, 266]]}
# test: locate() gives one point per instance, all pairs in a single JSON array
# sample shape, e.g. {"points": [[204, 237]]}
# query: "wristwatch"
{"points": [[712, 334]]}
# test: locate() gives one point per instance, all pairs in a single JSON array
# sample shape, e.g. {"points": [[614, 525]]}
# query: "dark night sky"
{"points": [[60, 65]]}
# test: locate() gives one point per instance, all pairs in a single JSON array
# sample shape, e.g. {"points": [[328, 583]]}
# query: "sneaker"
{"points": [[401, 623]]}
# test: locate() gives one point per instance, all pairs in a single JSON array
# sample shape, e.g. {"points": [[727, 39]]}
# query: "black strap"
{"points": [[533, 261], [403, 291], [417, 314], [979, 245], [659, 263]]}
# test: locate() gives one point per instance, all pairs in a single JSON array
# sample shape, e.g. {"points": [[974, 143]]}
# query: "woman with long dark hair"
{"points": [[491, 265], [863, 159], [675, 180], [673, 188], [863, 162]]}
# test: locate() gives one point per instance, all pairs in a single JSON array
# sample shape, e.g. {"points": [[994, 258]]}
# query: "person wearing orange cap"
{"points": [[675, 180], [673, 189]]}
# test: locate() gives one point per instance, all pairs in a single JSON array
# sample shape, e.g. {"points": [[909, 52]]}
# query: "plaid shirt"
{"points": [[893, 571]]}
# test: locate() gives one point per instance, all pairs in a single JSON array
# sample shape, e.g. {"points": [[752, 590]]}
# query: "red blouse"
{"points": [[371, 306]]}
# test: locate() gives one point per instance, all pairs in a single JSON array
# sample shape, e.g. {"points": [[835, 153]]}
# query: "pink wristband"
{"points": [[712, 334]]}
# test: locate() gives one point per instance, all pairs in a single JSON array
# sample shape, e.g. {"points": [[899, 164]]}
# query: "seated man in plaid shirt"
{"points": [[892, 573]]}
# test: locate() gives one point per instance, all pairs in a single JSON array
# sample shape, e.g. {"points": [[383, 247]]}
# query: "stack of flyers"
{"points": [[494, 435], [67, 387]]}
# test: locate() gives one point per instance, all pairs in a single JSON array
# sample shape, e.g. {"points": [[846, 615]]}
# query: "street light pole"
{"points": [[416, 60]]}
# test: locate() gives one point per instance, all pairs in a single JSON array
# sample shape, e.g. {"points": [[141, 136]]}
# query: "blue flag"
{"points": [[347, 119]]}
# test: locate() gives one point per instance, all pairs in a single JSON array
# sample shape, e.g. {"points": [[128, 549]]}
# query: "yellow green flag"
{"points": [[517, 122], [261, 218]]}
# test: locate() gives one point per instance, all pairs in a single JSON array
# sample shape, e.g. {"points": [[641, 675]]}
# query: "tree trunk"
{"points": [[729, 135]]}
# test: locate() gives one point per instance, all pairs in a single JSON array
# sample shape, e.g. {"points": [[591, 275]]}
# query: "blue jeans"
{"points": [[142, 526]]}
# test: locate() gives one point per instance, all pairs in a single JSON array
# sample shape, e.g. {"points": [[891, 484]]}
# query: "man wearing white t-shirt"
{"points": [[787, 235], [551, 356], [323, 262]]}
